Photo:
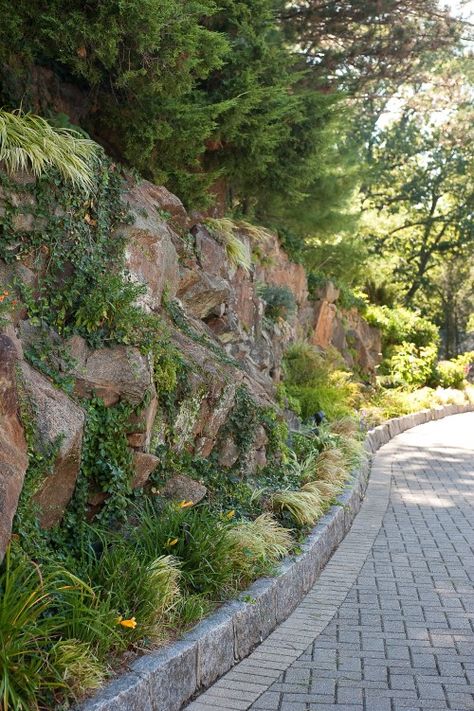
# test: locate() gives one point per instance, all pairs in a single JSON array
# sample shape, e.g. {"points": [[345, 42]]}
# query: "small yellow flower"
{"points": [[131, 623], [185, 504], [230, 514], [170, 542]]}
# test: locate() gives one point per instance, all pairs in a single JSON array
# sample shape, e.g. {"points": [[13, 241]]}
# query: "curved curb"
{"points": [[165, 680]]}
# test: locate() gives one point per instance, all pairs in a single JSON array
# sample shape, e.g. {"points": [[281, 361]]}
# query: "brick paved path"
{"points": [[389, 625]]}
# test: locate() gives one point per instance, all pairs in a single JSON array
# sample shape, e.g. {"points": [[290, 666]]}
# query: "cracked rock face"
{"points": [[116, 373], [58, 422], [13, 449]]}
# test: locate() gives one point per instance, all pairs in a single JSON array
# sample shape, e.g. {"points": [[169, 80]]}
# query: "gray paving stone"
{"points": [[388, 625]]}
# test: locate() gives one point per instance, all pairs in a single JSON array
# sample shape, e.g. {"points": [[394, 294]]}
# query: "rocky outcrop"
{"points": [[13, 449], [344, 329], [212, 312], [58, 424]]}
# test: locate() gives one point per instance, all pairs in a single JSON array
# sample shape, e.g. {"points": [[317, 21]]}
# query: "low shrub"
{"points": [[449, 374], [399, 325], [410, 366], [279, 301], [318, 382]]}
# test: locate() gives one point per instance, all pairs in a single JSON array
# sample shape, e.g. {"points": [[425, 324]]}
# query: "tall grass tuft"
{"points": [[223, 230], [30, 143], [259, 545], [35, 652], [136, 587], [305, 506]]}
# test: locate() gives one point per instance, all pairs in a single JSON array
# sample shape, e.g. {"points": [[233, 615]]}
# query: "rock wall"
{"points": [[215, 320]]}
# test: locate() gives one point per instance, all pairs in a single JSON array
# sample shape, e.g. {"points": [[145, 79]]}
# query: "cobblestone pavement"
{"points": [[389, 625]]}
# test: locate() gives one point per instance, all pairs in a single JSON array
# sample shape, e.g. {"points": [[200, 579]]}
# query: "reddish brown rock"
{"points": [[183, 488], [57, 420], [261, 438], [211, 254], [13, 450], [143, 466], [359, 343], [150, 255], [161, 199], [206, 296], [228, 453], [245, 303], [276, 268], [211, 387], [328, 292], [324, 318], [141, 425]]}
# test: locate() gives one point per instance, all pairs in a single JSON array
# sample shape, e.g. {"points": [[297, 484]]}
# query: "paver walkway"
{"points": [[389, 625]]}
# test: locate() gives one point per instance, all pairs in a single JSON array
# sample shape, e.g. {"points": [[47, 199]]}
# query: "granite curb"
{"points": [[166, 679]]}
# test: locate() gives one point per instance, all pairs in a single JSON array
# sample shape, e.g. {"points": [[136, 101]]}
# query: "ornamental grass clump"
{"points": [[259, 544], [330, 466], [29, 143], [237, 251], [304, 506], [142, 591], [41, 663], [199, 541]]}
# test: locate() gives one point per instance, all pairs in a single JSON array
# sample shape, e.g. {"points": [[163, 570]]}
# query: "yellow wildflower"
{"points": [[230, 514], [131, 623], [170, 542], [185, 504]]}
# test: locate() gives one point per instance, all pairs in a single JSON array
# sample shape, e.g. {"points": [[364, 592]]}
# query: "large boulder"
{"points": [[115, 373], [150, 255], [13, 449], [323, 326], [58, 422], [182, 488], [206, 296]]}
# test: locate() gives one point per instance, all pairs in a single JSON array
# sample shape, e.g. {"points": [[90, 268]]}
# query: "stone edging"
{"points": [[166, 679]]}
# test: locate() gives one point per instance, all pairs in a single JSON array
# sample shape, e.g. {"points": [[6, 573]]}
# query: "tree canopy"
{"points": [[345, 125]]}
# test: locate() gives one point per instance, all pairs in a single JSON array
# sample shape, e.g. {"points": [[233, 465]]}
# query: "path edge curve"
{"points": [[168, 678]]}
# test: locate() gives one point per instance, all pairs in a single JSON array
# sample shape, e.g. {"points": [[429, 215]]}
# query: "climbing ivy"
{"points": [[242, 422], [67, 239], [106, 464]]}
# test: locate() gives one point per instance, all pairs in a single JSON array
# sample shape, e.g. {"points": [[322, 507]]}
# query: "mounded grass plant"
{"points": [[198, 540], [304, 506], [224, 230], [259, 545], [137, 588], [30, 143]]}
